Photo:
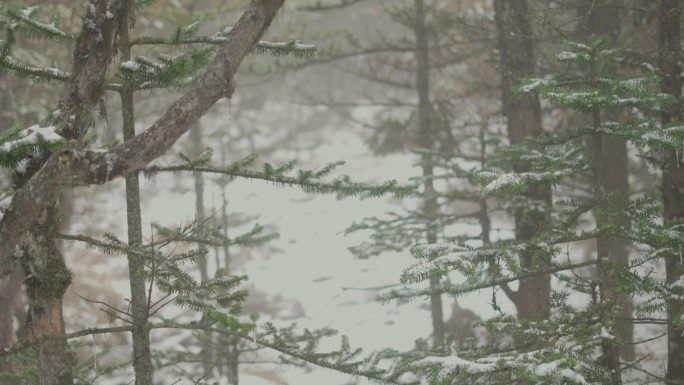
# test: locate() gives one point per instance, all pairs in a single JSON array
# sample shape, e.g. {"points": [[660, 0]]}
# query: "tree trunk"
{"points": [[602, 17], [523, 114], [47, 279], [200, 219], [142, 360], [232, 365], [11, 302], [426, 141], [11, 309], [6, 117], [669, 52]]}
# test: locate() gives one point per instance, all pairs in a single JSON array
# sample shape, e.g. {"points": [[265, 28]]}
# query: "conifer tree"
{"points": [[669, 56], [523, 116], [424, 119], [564, 346], [50, 158], [604, 18]]}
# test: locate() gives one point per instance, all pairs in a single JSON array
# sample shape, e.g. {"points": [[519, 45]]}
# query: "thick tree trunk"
{"points": [[602, 17], [669, 52], [6, 118], [11, 303], [523, 114], [47, 276], [11, 310], [47, 279], [232, 365], [426, 141]]}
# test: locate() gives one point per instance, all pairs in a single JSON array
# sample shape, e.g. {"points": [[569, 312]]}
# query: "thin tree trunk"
{"points": [[523, 114], [200, 218], [142, 360], [483, 214], [669, 52], [426, 141]]}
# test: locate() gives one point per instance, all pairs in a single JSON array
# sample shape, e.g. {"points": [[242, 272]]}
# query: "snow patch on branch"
{"points": [[453, 363], [30, 137]]}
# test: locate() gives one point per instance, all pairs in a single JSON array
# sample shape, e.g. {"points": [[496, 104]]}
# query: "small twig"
{"points": [[25, 344], [161, 306], [114, 315], [635, 367], [103, 303], [647, 340], [153, 268]]}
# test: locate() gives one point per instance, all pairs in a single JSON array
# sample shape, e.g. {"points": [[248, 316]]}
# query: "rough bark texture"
{"points": [[76, 167], [669, 49], [11, 310], [523, 114], [23, 235], [33, 243], [94, 50], [11, 303], [47, 279], [602, 17], [426, 140]]}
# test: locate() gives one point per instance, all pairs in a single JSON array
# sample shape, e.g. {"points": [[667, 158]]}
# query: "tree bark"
{"points": [[200, 219], [669, 56], [142, 358], [523, 114], [46, 279], [46, 274], [11, 302], [11, 310], [74, 166], [602, 17], [23, 235], [426, 141]]}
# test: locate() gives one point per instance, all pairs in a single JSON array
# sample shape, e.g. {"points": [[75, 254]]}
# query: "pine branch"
{"points": [[279, 345], [294, 48], [309, 181], [456, 290], [23, 69], [34, 28]]}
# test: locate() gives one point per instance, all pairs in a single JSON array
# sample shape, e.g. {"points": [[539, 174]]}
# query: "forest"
{"points": [[400, 192]]}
